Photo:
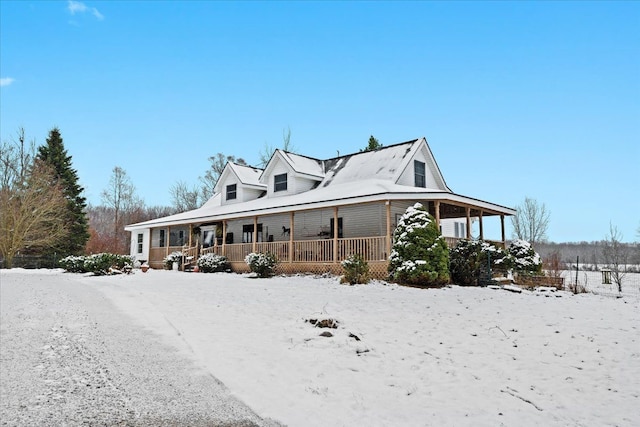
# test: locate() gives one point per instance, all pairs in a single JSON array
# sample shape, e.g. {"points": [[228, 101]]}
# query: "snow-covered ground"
{"points": [[400, 356], [592, 282]]}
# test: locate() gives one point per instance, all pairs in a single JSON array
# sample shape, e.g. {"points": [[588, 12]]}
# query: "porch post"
{"points": [[481, 226], [388, 233], [224, 237], [335, 234], [255, 234], [468, 210], [190, 234], [437, 206], [504, 240], [168, 240], [290, 237]]}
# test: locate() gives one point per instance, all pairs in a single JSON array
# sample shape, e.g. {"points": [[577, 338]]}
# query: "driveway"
{"points": [[69, 357]]}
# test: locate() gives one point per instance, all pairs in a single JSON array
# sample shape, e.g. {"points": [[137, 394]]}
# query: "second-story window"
{"points": [[280, 182], [420, 174], [231, 191]]}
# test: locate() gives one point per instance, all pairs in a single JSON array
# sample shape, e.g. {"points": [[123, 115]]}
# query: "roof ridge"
{"points": [[412, 141]]}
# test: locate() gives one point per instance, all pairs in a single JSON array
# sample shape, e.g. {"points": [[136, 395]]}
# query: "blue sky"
{"points": [[516, 99]]}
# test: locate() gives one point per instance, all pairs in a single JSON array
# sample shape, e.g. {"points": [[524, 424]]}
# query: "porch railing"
{"points": [[304, 251], [371, 248]]}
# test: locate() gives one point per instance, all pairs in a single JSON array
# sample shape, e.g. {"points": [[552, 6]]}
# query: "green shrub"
{"points": [[73, 264], [211, 263], [526, 260], [262, 264], [472, 261], [420, 255], [356, 270], [98, 264]]}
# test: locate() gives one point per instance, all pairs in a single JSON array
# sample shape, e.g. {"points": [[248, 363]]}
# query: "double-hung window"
{"points": [[232, 191], [139, 243], [420, 174], [280, 182]]}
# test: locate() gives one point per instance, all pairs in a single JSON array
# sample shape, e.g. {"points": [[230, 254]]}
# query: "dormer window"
{"points": [[420, 174], [280, 182], [232, 191]]}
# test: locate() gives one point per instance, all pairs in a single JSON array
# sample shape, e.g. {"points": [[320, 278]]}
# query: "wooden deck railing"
{"points": [[279, 249], [304, 251]]}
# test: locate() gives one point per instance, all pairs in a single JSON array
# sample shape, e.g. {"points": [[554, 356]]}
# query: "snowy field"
{"points": [[399, 356], [592, 282]]}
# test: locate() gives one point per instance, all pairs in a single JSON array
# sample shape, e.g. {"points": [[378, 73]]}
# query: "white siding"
{"points": [[309, 225], [408, 176], [304, 184], [146, 240], [363, 220], [279, 168]]}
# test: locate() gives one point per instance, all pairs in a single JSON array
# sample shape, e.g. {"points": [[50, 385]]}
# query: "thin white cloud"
{"points": [[78, 7], [97, 14], [6, 81]]}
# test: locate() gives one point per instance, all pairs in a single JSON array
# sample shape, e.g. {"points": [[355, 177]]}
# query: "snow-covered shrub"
{"points": [[73, 264], [98, 264], [472, 260], [420, 255], [210, 263], [171, 258], [262, 264], [525, 259], [356, 270]]}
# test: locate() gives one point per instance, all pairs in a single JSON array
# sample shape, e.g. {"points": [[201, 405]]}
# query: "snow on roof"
{"points": [[338, 194], [247, 174], [356, 178], [385, 163], [303, 164]]}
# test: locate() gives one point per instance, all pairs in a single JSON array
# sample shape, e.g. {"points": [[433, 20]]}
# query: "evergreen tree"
{"points": [[55, 155], [420, 255], [372, 145]]}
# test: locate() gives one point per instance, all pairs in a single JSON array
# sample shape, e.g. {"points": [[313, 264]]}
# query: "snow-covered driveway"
{"points": [[69, 357]]}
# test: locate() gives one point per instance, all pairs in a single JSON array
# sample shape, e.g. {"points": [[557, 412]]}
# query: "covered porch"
{"points": [[308, 240]]}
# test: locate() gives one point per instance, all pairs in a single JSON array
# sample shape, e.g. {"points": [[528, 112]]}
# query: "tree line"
{"points": [[43, 210], [44, 213]]}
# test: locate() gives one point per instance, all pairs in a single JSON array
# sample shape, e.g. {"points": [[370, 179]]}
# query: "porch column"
{"points": [[190, 234], [290, 237], [255, 234], [335, 234], [388, 233], [168, 240], [468, 210], [437, 206], [224, 237], [504, 240], [481, 226]]}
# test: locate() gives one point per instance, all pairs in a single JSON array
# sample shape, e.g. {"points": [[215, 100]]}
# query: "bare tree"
{"points": [[615, 255], [267, 149], [31, 208], [218, 162], [120, 195], [184, 198], [530, 222]]}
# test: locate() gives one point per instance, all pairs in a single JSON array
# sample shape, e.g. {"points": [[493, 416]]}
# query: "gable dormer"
{"points": [[288, 173], [239, 183], [419, 169]]}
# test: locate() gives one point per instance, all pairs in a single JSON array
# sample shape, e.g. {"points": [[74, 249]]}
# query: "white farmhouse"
{"points": [[313, 213]]}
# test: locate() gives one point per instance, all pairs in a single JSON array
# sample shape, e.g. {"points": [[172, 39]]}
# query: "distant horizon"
{"points": [[516, 99]]}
